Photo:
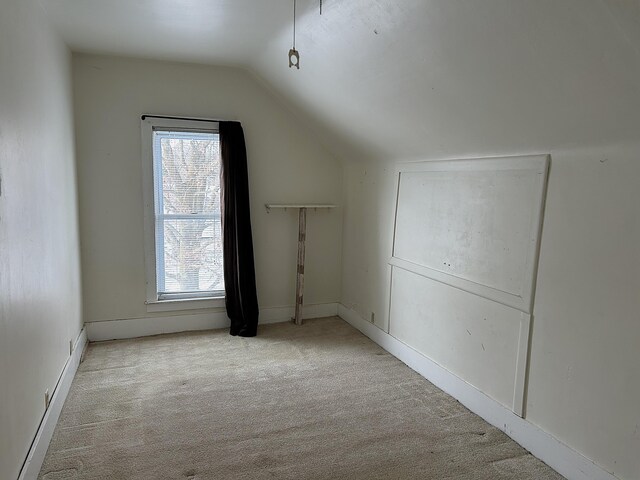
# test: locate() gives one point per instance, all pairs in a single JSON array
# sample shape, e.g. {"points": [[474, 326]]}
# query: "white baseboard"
{"points": [[284, 314], [560, 457], [142, 327], [38, 450]]}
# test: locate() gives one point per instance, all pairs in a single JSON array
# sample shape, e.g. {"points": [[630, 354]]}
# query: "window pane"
{"points": [[192, 255], [187, 206], [190, 172]]}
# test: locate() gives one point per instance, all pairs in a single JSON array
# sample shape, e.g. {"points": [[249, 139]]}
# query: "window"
{"points": [[181, 162]]}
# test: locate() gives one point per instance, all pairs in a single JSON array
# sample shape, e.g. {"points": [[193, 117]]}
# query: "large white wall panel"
{"points": [[464, 260], [473, 224]]}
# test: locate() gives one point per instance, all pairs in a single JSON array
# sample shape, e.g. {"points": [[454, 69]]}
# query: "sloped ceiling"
{"points": [[384, 79]]}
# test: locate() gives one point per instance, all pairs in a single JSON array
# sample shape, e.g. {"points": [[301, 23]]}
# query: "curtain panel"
{"points": [[239, 270]]}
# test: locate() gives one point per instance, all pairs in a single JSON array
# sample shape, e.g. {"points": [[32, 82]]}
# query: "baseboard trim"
{"points": [[38, 450], [284, 314], [156, 325], [560, 457]]}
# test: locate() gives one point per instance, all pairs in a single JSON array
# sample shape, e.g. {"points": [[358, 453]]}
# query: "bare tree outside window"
{"points": [[188, 228]]}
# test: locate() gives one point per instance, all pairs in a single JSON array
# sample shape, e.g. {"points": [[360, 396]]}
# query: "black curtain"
{"points": [[239, 270]]}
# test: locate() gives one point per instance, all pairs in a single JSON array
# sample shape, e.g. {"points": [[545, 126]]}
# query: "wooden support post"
{"points": [[302, 233]]}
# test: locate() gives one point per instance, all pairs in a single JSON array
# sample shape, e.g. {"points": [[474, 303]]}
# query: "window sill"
{"points": [[185, 304]]}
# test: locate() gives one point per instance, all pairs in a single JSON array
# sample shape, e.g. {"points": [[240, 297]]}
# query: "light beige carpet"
{"points": [[320, 401]]}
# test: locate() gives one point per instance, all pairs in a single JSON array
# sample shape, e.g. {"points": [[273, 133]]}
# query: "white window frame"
{"points": [[178, 301]]}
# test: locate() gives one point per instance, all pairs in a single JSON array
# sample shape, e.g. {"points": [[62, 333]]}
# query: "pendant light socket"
{"points": [[294, 58]]}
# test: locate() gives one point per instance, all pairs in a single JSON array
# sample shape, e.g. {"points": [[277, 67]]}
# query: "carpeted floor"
{"points": [[320, 401]]}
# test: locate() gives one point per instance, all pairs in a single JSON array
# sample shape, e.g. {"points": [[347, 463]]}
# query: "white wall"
{"points": [[285, 165], [584, 383], [584, 380], [40, 307]]}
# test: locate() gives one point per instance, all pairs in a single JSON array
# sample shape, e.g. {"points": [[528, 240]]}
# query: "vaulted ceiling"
{"points": [[410, 79]]}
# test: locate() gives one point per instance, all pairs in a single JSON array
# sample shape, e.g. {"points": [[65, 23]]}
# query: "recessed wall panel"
{"points": [[474, 338], [469, 224], [465, 251]]}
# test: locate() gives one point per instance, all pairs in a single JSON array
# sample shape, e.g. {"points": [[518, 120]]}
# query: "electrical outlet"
{"points": [[373, 317], [47, 399]]}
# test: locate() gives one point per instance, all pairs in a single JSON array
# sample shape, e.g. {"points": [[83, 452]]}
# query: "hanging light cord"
{"points": [[294, 24], [294, 56]]}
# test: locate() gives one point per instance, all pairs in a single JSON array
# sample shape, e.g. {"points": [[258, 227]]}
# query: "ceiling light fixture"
{"points": [[294, 56]]}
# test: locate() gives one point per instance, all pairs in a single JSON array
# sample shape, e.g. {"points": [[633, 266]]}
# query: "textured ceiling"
{"points": [[384, 79]]}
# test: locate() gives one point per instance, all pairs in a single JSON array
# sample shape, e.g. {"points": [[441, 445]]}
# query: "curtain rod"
{"points": [[187, 118]]}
